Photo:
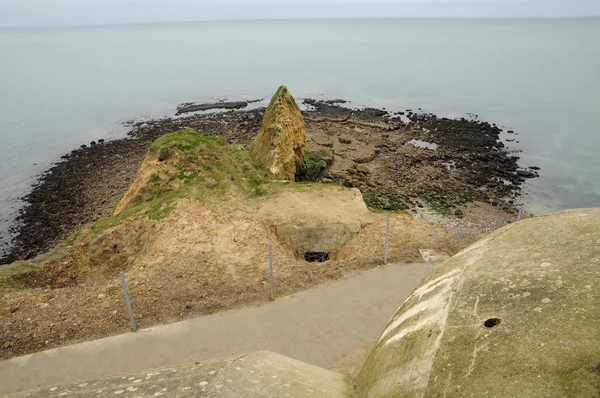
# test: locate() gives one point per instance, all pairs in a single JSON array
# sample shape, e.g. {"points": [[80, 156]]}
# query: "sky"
{"points": [[101, 12]]}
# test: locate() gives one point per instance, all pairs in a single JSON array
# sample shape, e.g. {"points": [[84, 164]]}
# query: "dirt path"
{"points": [[318, 326]]}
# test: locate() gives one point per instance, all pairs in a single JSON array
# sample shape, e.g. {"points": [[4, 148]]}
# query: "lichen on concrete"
{"points": [[515, 314], [261, 374], [328, 238]]}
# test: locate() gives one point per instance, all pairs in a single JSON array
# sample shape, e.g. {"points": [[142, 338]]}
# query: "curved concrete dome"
{"points": [[515, 315]]}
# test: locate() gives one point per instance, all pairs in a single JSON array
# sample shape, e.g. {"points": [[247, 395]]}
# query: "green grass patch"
{"points": [[16, 268], [259, 191], [277, 188], [315, 163], [185, 140], [156, 209], [199, 167], [69, 240], [385, 202], [15, 276]]}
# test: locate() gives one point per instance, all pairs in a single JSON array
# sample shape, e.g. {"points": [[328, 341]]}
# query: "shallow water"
{"points": [[63, 87]]}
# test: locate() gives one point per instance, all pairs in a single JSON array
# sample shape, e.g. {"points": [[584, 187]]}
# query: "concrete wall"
{"points": [[261, 374], [516, 314], [323, 238]]}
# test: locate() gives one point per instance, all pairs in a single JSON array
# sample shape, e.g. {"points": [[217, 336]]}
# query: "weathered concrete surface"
{"points": [[316, 218], [317, 326], [324, 238], [261, 374], [433, 255], [280, 142], [541, 279], [352, 363]]}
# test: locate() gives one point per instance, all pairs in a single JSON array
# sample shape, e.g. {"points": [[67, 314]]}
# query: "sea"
{"points": [[62, 87]]}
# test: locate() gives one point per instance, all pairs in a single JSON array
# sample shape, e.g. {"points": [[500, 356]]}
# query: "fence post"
{"points": [[271, 271], [133, 325], [387, 239], [520, 214]]}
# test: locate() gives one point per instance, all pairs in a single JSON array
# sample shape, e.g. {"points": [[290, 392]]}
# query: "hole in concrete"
{"points": [[492, 322], [316, 257]]}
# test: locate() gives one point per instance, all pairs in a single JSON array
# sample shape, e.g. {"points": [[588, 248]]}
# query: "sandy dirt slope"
{"points": [[203, 258]]}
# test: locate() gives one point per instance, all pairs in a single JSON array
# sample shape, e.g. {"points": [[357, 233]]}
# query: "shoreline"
{"points": [[87, 183]]}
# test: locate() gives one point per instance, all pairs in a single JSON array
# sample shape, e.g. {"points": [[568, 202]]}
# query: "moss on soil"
{"points": [[315, 162], [71, 238], [15, 276]]}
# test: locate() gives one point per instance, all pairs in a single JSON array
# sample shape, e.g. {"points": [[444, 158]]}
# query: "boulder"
{"points": [[526, 174], [279, 145]]}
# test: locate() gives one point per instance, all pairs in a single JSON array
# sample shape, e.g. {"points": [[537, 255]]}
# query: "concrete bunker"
{"points": [[317, 243], [316, 257]]}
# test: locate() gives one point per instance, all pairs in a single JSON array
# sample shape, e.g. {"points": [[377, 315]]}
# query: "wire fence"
{"points": [[318, 244]]}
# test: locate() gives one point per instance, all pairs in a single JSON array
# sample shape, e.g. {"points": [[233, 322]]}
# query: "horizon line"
{"points": [[293, 19]]}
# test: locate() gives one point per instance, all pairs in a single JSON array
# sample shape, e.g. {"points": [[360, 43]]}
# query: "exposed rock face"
{"points": [[280, 143], [147, 168]]}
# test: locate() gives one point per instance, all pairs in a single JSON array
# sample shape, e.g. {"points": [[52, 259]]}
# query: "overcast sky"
{"points": [[86, 12]]}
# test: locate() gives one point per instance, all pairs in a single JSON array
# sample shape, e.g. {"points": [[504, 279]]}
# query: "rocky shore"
{"points": [[406, 160]]}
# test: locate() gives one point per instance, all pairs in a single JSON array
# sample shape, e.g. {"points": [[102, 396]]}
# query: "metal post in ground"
{"points": [[387, 239], [520, 214], [271, 271], [133, 325]]}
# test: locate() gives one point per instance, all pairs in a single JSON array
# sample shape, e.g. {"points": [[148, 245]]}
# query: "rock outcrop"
{"points": [[279, 145]]}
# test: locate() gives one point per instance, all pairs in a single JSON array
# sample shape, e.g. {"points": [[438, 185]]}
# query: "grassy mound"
{"points": [[192, 165]]}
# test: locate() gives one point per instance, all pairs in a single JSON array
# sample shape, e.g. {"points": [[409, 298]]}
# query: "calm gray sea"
{"points": [[63, 87]]}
